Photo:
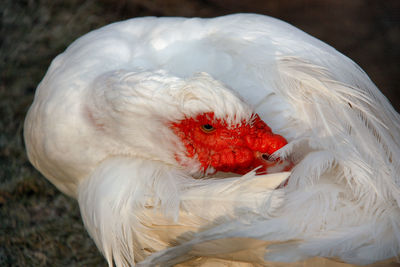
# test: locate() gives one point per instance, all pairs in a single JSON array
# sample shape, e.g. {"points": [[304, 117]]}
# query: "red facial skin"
{"points": [[229, 149]]}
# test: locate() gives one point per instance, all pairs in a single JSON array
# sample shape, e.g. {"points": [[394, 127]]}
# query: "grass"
{"points": [[39, 226]]}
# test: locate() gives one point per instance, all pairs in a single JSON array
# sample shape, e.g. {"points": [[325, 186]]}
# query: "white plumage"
{"points": [[97, 130]]}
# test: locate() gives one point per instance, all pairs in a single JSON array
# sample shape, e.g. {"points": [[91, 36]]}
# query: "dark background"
{"points": [[41, 227]]}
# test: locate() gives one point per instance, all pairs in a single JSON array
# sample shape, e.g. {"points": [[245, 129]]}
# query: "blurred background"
{"points": [[41, 227]]}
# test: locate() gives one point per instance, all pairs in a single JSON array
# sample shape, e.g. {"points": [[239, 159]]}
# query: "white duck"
{"points": [[130, 115]]}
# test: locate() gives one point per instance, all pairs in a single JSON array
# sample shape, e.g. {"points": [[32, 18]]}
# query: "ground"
{"points": [[39, 226]]}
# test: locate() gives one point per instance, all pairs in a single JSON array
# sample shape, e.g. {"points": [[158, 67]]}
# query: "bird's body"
{"points": [[106, 128]]}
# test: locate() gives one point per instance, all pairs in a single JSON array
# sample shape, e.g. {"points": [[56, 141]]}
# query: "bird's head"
{"points": [[197, 123], [238, 148]]}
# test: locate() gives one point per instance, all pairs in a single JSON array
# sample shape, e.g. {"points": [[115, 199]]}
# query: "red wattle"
{"points": [[228, 148]]}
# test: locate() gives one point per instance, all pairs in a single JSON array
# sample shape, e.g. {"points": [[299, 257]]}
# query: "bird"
{"points": [[231, 141]]}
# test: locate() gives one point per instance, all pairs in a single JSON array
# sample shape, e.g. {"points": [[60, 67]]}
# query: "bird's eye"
{"points": [[207, 128]]}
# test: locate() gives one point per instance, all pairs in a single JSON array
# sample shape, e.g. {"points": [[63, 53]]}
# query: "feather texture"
{"points": [[97, 130], [133, 207]]}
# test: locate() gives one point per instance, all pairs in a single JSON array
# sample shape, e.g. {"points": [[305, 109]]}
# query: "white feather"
{"points": [[97, 130], [132, 207]]}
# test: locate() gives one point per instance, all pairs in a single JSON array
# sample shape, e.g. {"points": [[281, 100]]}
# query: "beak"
{"points": [[270, 164], [266, 157]]}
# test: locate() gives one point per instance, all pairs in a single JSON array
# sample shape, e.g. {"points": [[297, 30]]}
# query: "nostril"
{"points": [[267, 157]]}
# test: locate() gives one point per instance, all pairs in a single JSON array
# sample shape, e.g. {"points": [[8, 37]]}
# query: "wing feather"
{"points": [[133, 207]]}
